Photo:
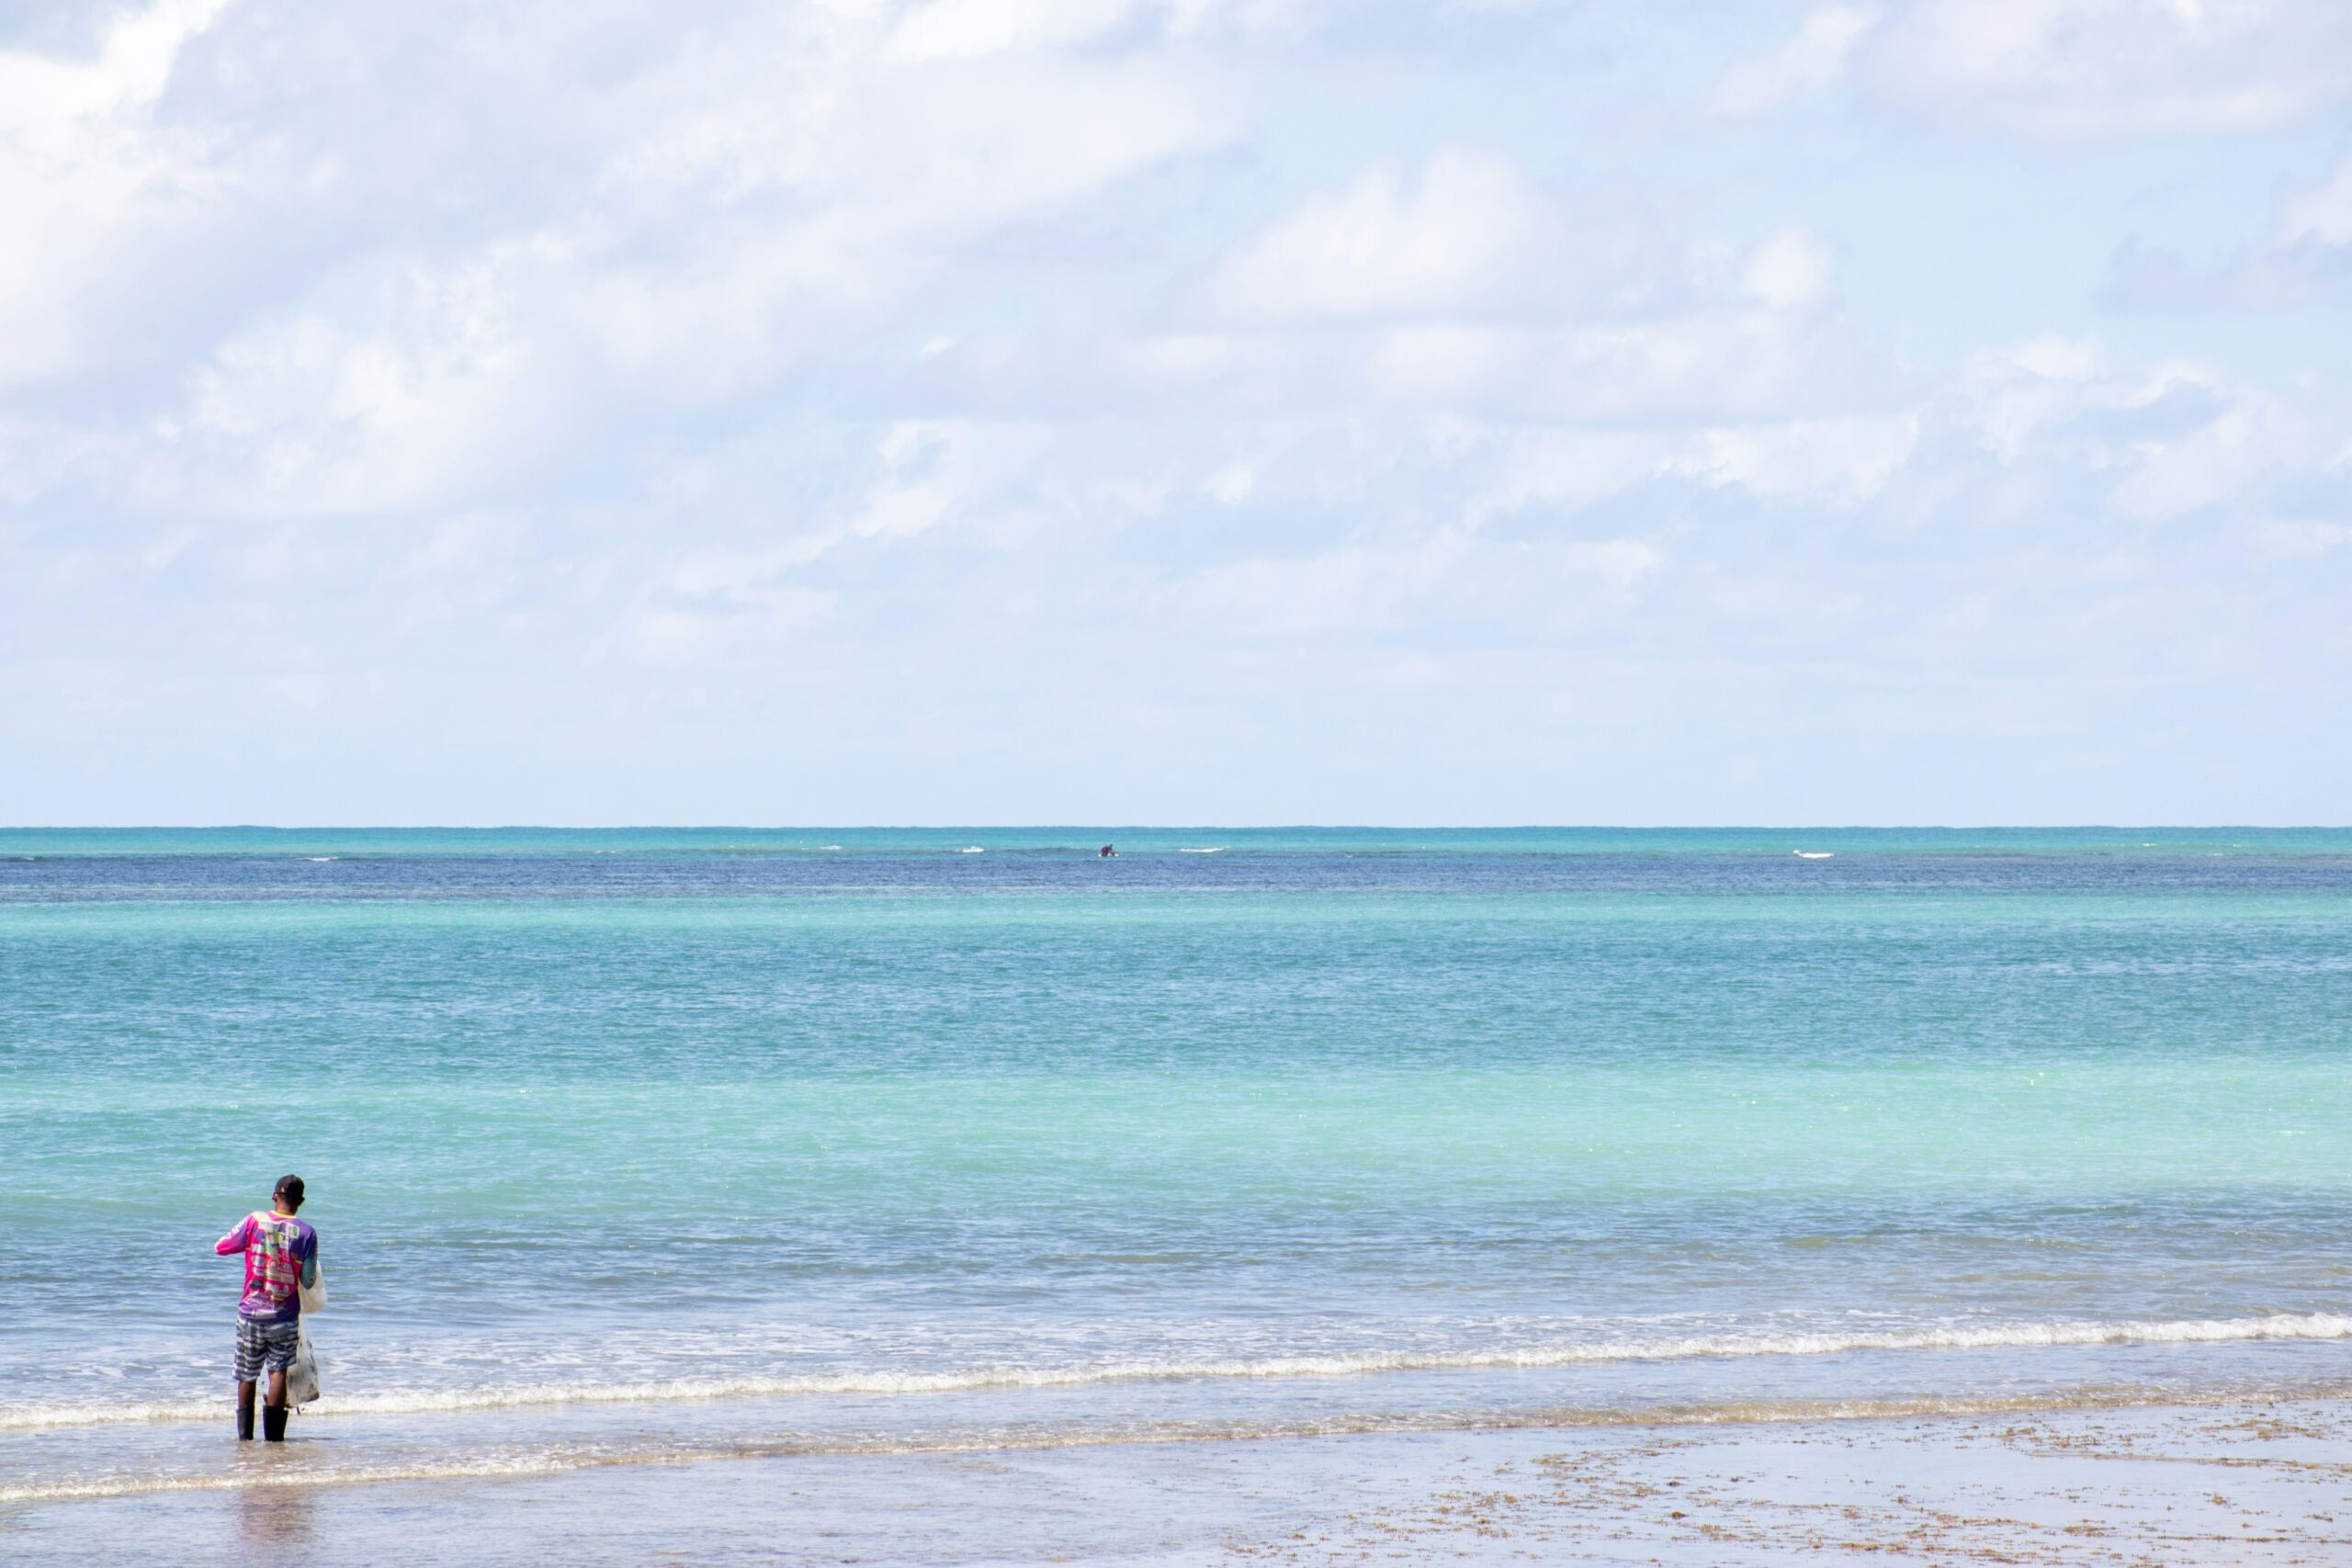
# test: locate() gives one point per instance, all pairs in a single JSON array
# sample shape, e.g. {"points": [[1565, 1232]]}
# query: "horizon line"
{"points": [[2116, 827]]}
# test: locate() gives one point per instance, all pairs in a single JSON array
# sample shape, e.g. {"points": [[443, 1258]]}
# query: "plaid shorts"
{"points": [[264, 1346]]}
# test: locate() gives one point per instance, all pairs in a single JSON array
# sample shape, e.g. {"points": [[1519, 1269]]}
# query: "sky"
{"points": [[1229, 411]]}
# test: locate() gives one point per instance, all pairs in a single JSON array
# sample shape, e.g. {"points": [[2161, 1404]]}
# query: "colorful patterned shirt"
{"points": [[280, 1252]]}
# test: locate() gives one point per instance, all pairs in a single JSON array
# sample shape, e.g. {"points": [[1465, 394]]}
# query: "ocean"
{"points": [[642, 1145]]}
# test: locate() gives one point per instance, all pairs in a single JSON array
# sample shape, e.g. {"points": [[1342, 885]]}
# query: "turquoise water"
{"points": [[642, 1144]]}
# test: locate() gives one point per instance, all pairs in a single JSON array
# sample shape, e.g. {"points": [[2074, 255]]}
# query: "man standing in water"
{"points": [[281, 1256]]}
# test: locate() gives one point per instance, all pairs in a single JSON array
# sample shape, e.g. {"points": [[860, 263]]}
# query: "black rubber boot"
{"points": [[245, 1419], [273, 1423]]}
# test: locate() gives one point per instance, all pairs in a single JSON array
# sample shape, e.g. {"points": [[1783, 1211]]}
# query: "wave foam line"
{"points": [[1995, 1336], [550, 1462]]}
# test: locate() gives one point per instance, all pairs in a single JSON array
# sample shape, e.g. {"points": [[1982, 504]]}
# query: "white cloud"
{"points": [[1808, 64], [1718, 363], [83, 169], [824, 183], [1837, 462], [1790, 270], [924, 475], [1465, 238], [1736, 359], [318, 416], [954, 29], [2056, 358], [2161, 442], [1842, 463], [1619, 563], [833, 205], [1570, 469], [936, 29], [2222, 461], [2306, 260], [2322, 215], [1232, 484], [1468, 289], [2303, 539], [1366, 591], [2078, 69], [2069, 68], [2013, 393], [52, 102], [1350, 590]]}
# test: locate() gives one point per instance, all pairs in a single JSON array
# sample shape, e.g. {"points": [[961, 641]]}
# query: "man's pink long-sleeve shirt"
{"points": [[280, 1252]]}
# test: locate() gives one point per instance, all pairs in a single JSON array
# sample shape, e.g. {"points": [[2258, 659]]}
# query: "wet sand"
{"points": [[2244, 1485], [2256, 1484]]}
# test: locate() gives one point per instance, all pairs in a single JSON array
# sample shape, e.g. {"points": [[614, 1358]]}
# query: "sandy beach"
{"points": [[2253, 1484]]}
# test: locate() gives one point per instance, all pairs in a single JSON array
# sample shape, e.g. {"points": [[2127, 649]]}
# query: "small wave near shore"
{"points": [[2304, 1326]]}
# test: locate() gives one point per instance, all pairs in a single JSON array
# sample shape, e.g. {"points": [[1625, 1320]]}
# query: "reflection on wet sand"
{"points": [[270, 1518]]}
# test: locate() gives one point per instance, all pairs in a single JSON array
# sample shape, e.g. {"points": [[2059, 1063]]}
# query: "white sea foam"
{"points": [[1815, 854], [557, 1459], [1988, 1337], [341, 1475], [1213, 850], [971, 850]]}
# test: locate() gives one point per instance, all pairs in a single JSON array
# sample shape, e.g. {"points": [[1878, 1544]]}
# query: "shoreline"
{"points": [[2241, 1480], [2296, 1328]]}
